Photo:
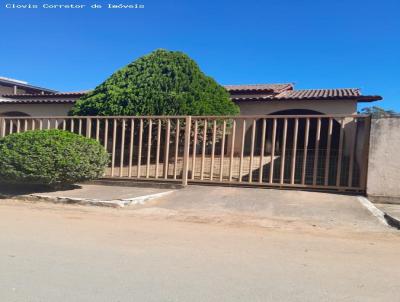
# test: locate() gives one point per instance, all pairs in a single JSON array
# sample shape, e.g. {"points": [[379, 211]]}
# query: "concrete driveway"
{"points": [[57, 252], [265, 208]]}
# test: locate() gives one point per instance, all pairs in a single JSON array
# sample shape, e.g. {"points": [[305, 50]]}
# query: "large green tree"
{"points": [[161, 83]]}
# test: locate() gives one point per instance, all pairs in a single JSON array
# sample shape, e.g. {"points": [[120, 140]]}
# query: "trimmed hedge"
{"points": [[50, 157], [160, 83]]}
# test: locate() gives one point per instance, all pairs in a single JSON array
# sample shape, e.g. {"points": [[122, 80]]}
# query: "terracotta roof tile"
{"points": [[38, 101], [47, 95], [259, 87], [314, 94]]}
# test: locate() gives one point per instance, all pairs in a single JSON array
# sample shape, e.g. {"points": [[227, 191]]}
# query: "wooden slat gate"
{"points": [[306, 151]]}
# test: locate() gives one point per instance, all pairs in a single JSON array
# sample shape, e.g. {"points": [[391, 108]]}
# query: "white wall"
{"points": [[384, 161]]}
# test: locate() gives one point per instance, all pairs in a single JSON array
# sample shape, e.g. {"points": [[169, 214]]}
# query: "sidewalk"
{"points": [[100, 195]]}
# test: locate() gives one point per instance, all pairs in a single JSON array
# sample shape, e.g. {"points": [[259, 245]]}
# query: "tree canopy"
{"points": [[160, 83], [378, 112]]}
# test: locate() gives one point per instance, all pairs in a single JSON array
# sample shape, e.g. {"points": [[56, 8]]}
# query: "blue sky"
{"points": [[315, 44]]}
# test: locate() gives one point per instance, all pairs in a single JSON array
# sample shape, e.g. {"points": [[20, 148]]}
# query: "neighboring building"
{"points": [[17, 97], [13, 87]]}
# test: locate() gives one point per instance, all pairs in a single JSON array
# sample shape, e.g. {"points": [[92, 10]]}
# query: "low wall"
{"points": [[384, 160]]}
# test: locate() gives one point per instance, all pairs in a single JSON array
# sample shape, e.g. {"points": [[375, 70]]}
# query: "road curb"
{"points": [[115, 203], [392, 221], [373, 209], [382, 216]]}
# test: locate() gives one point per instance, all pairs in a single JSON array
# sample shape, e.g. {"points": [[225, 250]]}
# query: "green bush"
{"points": [[50, 157], [161, 83]]}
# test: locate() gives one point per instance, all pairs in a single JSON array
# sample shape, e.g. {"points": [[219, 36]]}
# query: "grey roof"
{"points": [[12, 82], [59, 98]]}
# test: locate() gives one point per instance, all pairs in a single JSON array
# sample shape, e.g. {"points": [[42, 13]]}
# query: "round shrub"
{"points": [[50, 157]]}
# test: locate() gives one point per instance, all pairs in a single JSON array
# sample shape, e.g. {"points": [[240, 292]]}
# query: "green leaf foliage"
{"points": [[378, 112], [161, 83], [50, 157]]}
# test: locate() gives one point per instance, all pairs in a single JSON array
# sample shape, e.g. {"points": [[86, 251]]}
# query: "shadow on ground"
{"points": [[11, 190]]}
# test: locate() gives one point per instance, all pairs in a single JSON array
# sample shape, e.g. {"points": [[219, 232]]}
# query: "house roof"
{"points": [[259, 88], [282, 92], [12, 82], [313, 94], [59, 98]]}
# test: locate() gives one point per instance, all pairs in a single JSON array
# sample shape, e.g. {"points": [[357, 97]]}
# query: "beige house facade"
{"points": [[20, 98]]}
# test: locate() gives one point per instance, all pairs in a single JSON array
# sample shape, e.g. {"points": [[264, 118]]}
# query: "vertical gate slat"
{"points": [[139, 161], [221, 167], [97, 129], [188, 124], [203, 151], [260, 180], [339, 167], [121, 164], [232, 149], [114, 140], [149, 148], [80, 127], [3, 127], [283, 153], [11, 125], [353, 141], [88, 127], [105, 132], [194, 149], [272, 162], [294, 151], [328, 152], [242, 151], [304, 167], [159, 143], [131, 142], [176, 147], [253, 137], [316, 150], [166, 157], [214, 134]]}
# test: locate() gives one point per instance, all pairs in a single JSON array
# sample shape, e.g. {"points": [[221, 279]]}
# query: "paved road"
{"points": [[73, 253]]}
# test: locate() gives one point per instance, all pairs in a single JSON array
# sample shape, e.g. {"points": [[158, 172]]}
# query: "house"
{"points": [[20, 98]]}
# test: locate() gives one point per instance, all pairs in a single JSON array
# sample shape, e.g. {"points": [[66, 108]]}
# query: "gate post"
{"points": [[365, 154], [2, 127], [186, 151], [88, 127]]}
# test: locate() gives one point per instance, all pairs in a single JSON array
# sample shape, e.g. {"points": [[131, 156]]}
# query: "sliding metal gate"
{"points": [[307, 151]]}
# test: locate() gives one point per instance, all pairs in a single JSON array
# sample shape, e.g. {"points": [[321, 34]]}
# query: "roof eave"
{"points": [[360, 99], [12, 83]]}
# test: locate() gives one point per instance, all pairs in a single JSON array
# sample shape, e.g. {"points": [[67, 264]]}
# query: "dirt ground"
{"points": [[51, 252]]}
